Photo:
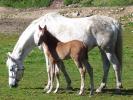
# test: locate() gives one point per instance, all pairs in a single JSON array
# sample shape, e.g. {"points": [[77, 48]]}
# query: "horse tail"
{"points": [[118, 47]]}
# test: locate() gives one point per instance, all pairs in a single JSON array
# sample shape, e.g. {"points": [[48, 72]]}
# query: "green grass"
{"points": [[25, 3], [99, 2], [46, 3], [35, 76]]}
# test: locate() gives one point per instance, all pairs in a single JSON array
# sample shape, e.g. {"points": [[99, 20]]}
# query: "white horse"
{"points": [[101, 31]]}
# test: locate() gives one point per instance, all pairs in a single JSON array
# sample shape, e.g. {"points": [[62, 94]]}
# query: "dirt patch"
{"points": [[16, 20]]}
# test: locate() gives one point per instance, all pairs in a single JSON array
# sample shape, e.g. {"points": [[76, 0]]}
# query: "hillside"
{"points": [[16, 20]]}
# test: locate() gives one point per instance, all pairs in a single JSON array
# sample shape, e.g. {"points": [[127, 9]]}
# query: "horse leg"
{"points": [[117, 68], [52, 73], [82, 75], [67, 78], [57, 78], [90, 72], [106, 67]]}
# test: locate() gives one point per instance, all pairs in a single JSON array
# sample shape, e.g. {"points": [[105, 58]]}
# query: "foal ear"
{"points": [[45, 28], [40, 28]]}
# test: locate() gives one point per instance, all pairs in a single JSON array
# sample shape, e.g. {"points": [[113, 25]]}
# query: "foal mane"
{"points": [[50, 40]]}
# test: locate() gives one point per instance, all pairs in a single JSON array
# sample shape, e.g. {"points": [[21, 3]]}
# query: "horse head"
{"points": [[15, 70]]}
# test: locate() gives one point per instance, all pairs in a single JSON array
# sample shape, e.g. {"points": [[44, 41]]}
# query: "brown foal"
{"points": [[58, 51]]}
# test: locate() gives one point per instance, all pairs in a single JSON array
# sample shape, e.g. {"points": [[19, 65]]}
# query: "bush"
{"points": [[68, 2], [86, 2]]}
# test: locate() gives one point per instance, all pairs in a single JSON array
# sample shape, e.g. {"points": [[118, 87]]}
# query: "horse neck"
{"points": [[24, 45]]}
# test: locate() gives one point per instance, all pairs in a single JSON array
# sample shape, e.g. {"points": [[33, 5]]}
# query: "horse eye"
{"points": [[11, 69]]}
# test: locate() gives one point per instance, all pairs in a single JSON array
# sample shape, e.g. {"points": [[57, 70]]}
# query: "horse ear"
{"points": [[40, 28]]}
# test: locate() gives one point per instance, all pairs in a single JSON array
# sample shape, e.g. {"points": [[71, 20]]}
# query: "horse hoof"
{"points": [[98, 90], [48, 92], [81, 93], [121, 86], [55, 91], [46, 89]]}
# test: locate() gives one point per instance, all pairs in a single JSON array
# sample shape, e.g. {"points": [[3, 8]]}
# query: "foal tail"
{"points": [[118, 47]]}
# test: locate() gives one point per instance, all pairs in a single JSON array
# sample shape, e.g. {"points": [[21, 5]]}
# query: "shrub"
{"points": [[67, 2], [86, 2]]}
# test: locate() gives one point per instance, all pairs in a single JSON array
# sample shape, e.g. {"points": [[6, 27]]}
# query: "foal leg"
{"points": [[52, 75], [90, 72], [117, 68], [106, 67], [82, 75], [57, 78], [67, 78], [48, 71]]}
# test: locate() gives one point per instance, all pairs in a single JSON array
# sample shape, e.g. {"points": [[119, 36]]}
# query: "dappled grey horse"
{"points": [[101, 31]]}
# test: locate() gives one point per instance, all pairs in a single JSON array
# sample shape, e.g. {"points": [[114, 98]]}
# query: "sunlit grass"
{"points": [[35, 76]]}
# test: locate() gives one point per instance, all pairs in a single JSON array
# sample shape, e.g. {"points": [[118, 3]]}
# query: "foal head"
{"points": [[43, 34]]}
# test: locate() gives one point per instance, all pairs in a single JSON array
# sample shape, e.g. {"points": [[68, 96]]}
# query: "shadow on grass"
{"points": [[124, 92], [32, 88]]}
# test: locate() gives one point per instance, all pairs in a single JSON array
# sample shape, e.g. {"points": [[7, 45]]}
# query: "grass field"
{"points": [[35, 77]]}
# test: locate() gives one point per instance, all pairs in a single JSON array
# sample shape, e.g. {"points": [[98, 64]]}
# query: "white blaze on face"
{"points": [[11, 73]]}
